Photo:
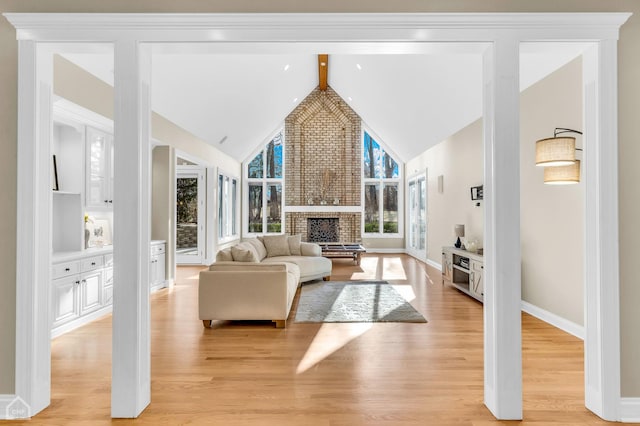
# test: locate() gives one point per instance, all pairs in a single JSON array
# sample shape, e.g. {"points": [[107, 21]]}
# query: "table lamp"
{"points": [[458, 230]]}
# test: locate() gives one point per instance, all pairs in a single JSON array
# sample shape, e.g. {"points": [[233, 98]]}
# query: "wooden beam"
{"points": [[323, 70]]}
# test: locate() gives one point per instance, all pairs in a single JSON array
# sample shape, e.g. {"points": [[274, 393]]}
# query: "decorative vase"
{"points": [[87, 235]]}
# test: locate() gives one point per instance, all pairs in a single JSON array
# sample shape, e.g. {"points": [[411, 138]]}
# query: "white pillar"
{"points": [[131, 382], [600, 172], [502, 324], [33, 244]]}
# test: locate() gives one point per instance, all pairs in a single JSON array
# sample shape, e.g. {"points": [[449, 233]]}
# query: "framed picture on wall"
{"points": [[477, 192]]}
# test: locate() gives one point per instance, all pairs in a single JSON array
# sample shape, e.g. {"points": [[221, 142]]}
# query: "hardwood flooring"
{"points": [[251, 373]]}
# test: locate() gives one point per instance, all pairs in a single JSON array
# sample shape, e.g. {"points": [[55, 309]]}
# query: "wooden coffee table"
{"points": [[340, 250]]}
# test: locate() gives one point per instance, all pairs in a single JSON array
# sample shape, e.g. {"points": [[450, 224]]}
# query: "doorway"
{"points": [[417, 217], [190, 214]]}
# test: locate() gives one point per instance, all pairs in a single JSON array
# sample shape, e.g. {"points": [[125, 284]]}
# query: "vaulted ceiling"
{"points": [[234, 101]]}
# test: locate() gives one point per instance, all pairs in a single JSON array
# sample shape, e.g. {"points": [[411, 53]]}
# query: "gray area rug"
{"points": [[354, 301]]}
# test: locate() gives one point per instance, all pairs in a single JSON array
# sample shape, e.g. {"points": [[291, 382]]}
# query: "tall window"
{"points": [[381, 188], [265, 177], [227, 207]]}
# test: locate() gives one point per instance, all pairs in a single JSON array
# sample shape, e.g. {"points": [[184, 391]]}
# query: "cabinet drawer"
{"points": [[91, 263], [63, 269], [476, 266], [157, 249]]}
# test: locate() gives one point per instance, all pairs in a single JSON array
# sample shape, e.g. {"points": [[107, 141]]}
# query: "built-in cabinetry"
{"points": [[82, 284], [99, 169], [157, 265], [81, 289], [463, 270]]}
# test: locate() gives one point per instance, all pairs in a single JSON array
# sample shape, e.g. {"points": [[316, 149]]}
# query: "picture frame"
{"points": [[477, 192], [99, 233], [54, 175]]}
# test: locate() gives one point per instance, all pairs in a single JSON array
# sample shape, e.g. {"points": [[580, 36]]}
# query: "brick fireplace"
{"points": [[323, 165]]}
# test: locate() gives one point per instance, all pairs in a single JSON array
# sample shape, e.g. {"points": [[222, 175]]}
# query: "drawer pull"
{"points": [[67, 269]]}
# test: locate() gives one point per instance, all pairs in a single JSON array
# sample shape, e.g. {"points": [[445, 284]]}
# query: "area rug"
{"points": [[354, 301]]}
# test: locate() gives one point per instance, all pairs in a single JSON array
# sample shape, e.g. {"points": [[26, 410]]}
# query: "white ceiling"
{"points": [[411, 101]]}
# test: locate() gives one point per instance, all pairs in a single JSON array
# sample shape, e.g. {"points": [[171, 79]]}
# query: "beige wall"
{"points": [[459, 160], [629, 105], [163, 212], [552, 217], [552, 243]]}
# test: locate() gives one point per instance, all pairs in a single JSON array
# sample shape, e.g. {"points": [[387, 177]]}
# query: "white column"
{"points": [[33, 251], [131, 384], [602, 281], [502, 325]]}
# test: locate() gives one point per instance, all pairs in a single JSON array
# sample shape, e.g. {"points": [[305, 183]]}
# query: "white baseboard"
{"points": [[630, 410], [554, 320], [386, 250], [434, 264], [18, 410]]}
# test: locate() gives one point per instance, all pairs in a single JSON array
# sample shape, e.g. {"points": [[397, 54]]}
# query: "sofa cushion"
{"points": [[310, 249], [244, 252], [224, 255], [309, 265], [294, 244], [276, 245], [259, 246]]}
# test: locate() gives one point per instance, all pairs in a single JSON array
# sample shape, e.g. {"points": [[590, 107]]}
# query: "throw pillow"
{"points": [[276, 245], [259, 246], [294, 244], [224, 255], [244, 252]]}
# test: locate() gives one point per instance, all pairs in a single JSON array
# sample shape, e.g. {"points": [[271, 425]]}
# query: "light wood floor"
{"points": [[250, 373]]}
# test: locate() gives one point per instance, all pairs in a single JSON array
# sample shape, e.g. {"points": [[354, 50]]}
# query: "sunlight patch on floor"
{"points": [[369, 266], [330, 338], [392, 269], [406, 291]]}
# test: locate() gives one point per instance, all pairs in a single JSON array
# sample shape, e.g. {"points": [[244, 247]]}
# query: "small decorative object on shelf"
{"points": [[336, 201], [87, 233], [310, 201]]}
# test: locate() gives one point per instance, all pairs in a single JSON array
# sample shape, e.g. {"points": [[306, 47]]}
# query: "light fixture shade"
{"points": [[458, 230], [555, 152], [564, 175]]}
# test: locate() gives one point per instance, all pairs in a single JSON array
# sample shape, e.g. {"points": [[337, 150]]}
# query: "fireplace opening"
{"points": [[323, 230]]}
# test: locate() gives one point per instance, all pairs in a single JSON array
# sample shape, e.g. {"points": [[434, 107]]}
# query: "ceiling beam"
{"points": [[323, 70]]}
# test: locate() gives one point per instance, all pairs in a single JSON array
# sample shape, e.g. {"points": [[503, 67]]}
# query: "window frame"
{"points": [[264, 182], [228, 207], [381, 181]]}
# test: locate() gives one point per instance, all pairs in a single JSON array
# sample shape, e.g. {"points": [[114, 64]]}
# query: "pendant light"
{"points": [[558, 156]]}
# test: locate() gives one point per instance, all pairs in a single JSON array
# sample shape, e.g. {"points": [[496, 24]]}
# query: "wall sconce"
{"points": [[558, 156]]}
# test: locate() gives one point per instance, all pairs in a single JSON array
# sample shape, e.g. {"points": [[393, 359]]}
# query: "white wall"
{"points": [[552, 216]]}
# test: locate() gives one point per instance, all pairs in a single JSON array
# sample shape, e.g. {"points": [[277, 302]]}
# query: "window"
{"points": [[227, 207], [381, 189], [265, 188]]}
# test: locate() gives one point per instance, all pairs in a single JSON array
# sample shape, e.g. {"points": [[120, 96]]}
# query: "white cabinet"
{"points": [[79, 293], [65, 302], [157, 265], [464, 270], [99, 169]]}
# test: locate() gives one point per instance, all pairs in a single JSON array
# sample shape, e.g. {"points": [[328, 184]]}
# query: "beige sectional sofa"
{"points": [[257, 279]]}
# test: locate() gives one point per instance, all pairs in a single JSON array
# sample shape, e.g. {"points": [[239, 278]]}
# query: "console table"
{"points": [[464, 270], [338, 250]]}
